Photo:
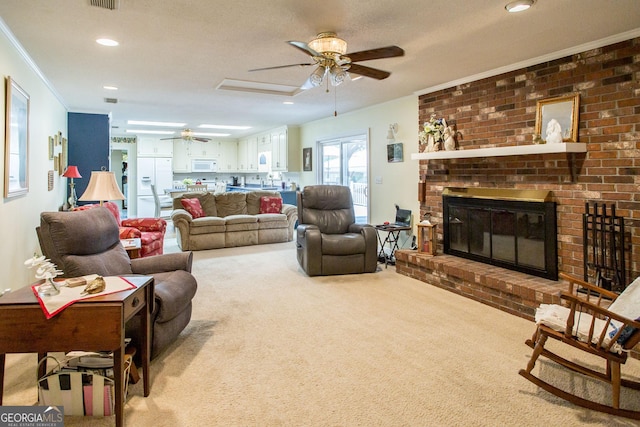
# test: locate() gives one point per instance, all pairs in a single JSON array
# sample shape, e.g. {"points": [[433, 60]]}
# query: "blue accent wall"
{"points": [[88, 145]]}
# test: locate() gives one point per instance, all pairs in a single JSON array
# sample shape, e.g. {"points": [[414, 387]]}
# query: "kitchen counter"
{"points": [[252, 187]]}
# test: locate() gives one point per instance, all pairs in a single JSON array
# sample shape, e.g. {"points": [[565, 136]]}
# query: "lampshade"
{"points": [[72, 172], [102, 186], [328, 43], [393, 129]]}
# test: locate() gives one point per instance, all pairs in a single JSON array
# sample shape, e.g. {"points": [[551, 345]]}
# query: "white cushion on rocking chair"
{"points": [[555, 316]]}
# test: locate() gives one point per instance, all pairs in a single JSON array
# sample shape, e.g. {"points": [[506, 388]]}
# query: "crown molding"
{"points": [[29, 61]]}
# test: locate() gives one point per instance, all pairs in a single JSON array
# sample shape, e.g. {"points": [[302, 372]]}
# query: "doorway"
{"points": [[345, 161]]}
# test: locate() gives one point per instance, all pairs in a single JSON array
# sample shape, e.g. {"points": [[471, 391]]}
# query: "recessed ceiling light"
{"points": [[109, 87], [224, 127], [159, 132], [107, 42], [148, 123], [288, 102], [519, 5]]}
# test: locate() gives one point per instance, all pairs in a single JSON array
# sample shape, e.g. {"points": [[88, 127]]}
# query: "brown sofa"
{"points": [[232, 219]]}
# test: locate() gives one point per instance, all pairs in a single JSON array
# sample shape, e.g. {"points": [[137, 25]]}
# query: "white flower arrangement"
{"points": [[434, 127], [45, 268], [437, 135]]}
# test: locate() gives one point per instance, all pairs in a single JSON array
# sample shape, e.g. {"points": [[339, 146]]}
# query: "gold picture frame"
{"points": [[16, 154], [565, 110]]}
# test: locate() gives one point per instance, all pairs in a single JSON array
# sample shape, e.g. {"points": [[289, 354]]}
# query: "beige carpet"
{"points": [[269, 346]]}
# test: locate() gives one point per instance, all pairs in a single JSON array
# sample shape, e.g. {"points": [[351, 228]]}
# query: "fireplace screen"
{"points": [[515, 234]]}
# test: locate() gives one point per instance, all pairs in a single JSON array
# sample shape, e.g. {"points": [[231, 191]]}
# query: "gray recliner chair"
{"points": [[87, 242], [328, 239]]}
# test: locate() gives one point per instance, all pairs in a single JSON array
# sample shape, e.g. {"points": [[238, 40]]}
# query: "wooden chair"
{"points": [[198, 188], [587, 324]]}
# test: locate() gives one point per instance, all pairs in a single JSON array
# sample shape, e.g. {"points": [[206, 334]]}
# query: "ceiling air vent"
{"points": [[111, 100], [106, 4]]}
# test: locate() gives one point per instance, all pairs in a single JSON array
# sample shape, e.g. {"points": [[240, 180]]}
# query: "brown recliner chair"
{"points": [[87, 242], [328, 239]]}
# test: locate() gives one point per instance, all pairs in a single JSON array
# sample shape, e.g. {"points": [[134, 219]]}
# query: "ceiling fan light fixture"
{"points": [[317, 76], [328, 43], [338, 75]]}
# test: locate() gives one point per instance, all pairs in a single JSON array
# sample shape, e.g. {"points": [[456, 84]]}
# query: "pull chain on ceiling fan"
{"points": [[328, 53]]}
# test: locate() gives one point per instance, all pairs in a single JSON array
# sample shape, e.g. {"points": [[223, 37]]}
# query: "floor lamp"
{"points": [[72, 172], [102, 186]]}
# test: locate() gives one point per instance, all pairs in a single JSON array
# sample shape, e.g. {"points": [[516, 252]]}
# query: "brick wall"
{"points": [[501, 111]]}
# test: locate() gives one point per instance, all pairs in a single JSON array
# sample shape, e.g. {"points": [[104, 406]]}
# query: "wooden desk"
{"points": [[95, 324]]}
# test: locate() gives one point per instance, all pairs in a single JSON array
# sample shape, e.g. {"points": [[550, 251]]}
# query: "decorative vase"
{"points": [[48, 288], [431, 144]]}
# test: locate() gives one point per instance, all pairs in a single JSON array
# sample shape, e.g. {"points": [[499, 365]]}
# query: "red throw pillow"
{"points": [[269, 204], [193, 206]]}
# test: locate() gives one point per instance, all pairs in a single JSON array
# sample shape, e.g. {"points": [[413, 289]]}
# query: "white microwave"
{"points": [[204, 165]]}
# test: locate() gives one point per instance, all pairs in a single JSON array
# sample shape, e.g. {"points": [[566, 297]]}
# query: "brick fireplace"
{"points": [[500, 111]]}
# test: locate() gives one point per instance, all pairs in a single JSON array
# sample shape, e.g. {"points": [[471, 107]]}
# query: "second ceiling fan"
{"points": [[188, 135], [329, 55]]}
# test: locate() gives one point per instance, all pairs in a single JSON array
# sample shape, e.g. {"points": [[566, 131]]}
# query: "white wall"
{"points": [[399, 180], [20, 215]]}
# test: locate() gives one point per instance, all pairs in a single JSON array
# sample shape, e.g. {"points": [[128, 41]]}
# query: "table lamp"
{"points": [[72, 172], [102, 186]]}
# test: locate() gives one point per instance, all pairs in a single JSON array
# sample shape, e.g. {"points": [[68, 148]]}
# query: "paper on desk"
{"points": [[55, 304]]}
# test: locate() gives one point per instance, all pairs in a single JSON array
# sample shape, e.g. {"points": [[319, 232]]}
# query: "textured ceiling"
{"points": [[173, 54]]}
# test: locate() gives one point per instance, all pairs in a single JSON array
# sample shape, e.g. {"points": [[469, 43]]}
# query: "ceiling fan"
{"points": [[328, 53], [188, 135]]}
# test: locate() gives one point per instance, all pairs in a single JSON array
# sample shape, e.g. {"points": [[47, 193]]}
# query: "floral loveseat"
{"points": [[150, 231], [232, 219]]}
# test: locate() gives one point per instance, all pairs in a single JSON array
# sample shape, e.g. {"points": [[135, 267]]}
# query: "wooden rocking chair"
{"points": [[587, 324]]}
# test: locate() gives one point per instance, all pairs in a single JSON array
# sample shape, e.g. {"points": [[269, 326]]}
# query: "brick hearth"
{"points": [[510, 291]]}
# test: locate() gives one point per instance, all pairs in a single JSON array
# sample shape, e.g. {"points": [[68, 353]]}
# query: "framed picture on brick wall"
{"points": [[558, 115]]}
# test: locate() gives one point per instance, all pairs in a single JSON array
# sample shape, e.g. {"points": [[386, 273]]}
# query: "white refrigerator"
{"points": [[152, 170]]}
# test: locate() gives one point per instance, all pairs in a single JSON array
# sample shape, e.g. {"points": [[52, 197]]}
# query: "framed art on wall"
{"points": [[395, 152], [16, 154], [306, 159], [558, 115]]}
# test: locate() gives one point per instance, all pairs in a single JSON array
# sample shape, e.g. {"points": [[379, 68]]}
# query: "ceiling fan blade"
{"points": [[304, 47], [374, 73], [282, 66], [201, 139], [382, 52]]}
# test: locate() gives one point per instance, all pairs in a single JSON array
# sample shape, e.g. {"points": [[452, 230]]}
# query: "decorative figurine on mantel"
{"points": [[554, 132], [437, 135]]}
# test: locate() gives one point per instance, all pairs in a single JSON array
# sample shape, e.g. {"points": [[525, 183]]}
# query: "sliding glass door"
{"points": [[345, 161]]}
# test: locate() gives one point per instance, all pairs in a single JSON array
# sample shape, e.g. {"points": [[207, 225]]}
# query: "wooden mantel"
{"points": [[518, 150]]}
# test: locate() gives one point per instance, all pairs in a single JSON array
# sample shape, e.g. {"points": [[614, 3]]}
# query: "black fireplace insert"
{"points": [[513, 229]]}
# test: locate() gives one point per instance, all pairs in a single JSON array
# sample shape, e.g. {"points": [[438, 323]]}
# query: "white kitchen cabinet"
{"points": [[228, 156], [204, 150], [248, 154], [242, 155], [154, 147], [181, 158], [252, 155], [279, 150]]}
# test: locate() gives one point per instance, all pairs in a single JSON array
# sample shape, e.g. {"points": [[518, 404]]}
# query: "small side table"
{"points": [[132, 246], [25, 329], [392, 239]]}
